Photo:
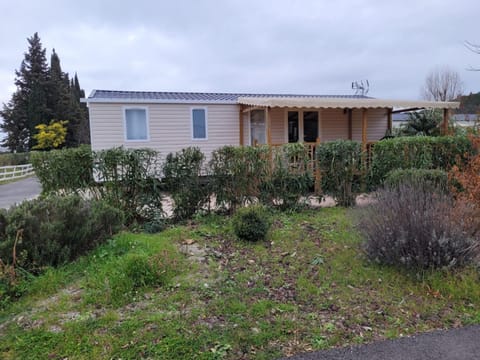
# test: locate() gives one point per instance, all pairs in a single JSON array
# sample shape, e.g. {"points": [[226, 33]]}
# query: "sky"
{"points": [[276, 46]]}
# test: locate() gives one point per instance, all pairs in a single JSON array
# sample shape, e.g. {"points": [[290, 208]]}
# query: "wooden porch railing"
{"points": [[312, 166]]}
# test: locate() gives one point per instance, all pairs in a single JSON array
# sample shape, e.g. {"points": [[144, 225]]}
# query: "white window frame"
{"points": [[206, 122], [147, 116]]}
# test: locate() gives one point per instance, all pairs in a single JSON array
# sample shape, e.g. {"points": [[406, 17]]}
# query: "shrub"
{"points": [[251, 223], [182, 173], [289, 179], [340, 165], [425, 122], [413, 227], [8, 159], [420, 152], [130, 181], [433, 179], [236, 174], [67, 170], [54, 230]]}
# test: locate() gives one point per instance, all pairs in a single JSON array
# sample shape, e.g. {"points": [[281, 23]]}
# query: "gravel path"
{"points": [[456, 344], [16, 192]]}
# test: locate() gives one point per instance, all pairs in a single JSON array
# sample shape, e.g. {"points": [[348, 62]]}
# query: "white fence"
{"points": [[15, 171]]}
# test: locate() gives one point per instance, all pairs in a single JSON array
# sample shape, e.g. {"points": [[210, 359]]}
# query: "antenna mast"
{"points": [[361, 87]]}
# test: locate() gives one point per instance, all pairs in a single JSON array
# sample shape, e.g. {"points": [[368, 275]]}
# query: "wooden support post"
{"points": [[317, 174], [389, 121], [364, 129], [364, 146], [269, 126], [446, 115], [350, 124], [240, 121]]}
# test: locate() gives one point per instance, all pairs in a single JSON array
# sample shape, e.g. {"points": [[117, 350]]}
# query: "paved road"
{"points": [[457, 344], [18, 191]]}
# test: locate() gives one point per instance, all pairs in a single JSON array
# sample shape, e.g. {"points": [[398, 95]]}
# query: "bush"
{"points": [[420, 152], [236, 174], [340, 165], [430, 178], [67, 170], [182, 173], [251, 223], [54, 230], [290, 178], [130, 181], [9, 159], [413, 227]]}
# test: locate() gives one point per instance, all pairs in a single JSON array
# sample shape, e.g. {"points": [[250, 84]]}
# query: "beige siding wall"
{"points": [[170, 127], [246, 128], [333, 125], [277, 117], [377, 124]]}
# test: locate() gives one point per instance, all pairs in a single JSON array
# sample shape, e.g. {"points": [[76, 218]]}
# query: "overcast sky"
{"points": [[311, 47]]}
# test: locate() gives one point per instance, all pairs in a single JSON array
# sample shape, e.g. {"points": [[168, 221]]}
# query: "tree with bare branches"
{"points": [[442, 84], [473, 48]]}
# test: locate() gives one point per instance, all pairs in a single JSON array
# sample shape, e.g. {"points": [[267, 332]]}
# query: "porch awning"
{"points": [[342, 103]]}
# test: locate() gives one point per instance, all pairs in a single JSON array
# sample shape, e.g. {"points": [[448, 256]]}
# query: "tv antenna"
{"points": [[361, 87]]}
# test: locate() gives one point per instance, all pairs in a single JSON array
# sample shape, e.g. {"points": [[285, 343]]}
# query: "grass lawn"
{"points": [[307, 288]]}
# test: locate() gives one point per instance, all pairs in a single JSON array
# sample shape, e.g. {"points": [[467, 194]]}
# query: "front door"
{"points": [[257, 127], [293, 126], [310, 126], [302, 126]]}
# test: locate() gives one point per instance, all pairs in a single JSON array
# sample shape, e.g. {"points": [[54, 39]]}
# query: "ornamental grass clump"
{"points": [[414, 226]]}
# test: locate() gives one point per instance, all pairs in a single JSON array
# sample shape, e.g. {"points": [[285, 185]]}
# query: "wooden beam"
{"points": [[248, 109], [364, 129], [240, 118], [269, 125], [407, 110], [350, 124], [446, 115], [389, 119]]}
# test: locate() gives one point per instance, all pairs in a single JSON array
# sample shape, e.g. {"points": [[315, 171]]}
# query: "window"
{"points": [[199, 124], [293, 126], [257, 127], [136, 124], [310, 126]]}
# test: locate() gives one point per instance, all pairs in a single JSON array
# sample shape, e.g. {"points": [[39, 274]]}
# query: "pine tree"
{"points": [[28, 106]]}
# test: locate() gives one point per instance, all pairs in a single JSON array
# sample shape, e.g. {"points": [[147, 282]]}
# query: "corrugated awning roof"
{"points": [[342, 103]]}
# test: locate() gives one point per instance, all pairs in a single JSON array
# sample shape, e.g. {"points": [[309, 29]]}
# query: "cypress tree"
{"points": [[43, 94], [28, 106], [83, 123]]}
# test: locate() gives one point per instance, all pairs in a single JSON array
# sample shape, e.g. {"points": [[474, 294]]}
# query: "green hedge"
{"points": [[420, 152], [9, 159], [289, 179], [68, 170], [433, 179], [236, 174], [182, 175], [340, 166]]}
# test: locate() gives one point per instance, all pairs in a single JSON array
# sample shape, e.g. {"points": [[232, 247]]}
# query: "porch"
{"points": [[314, 119]]}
